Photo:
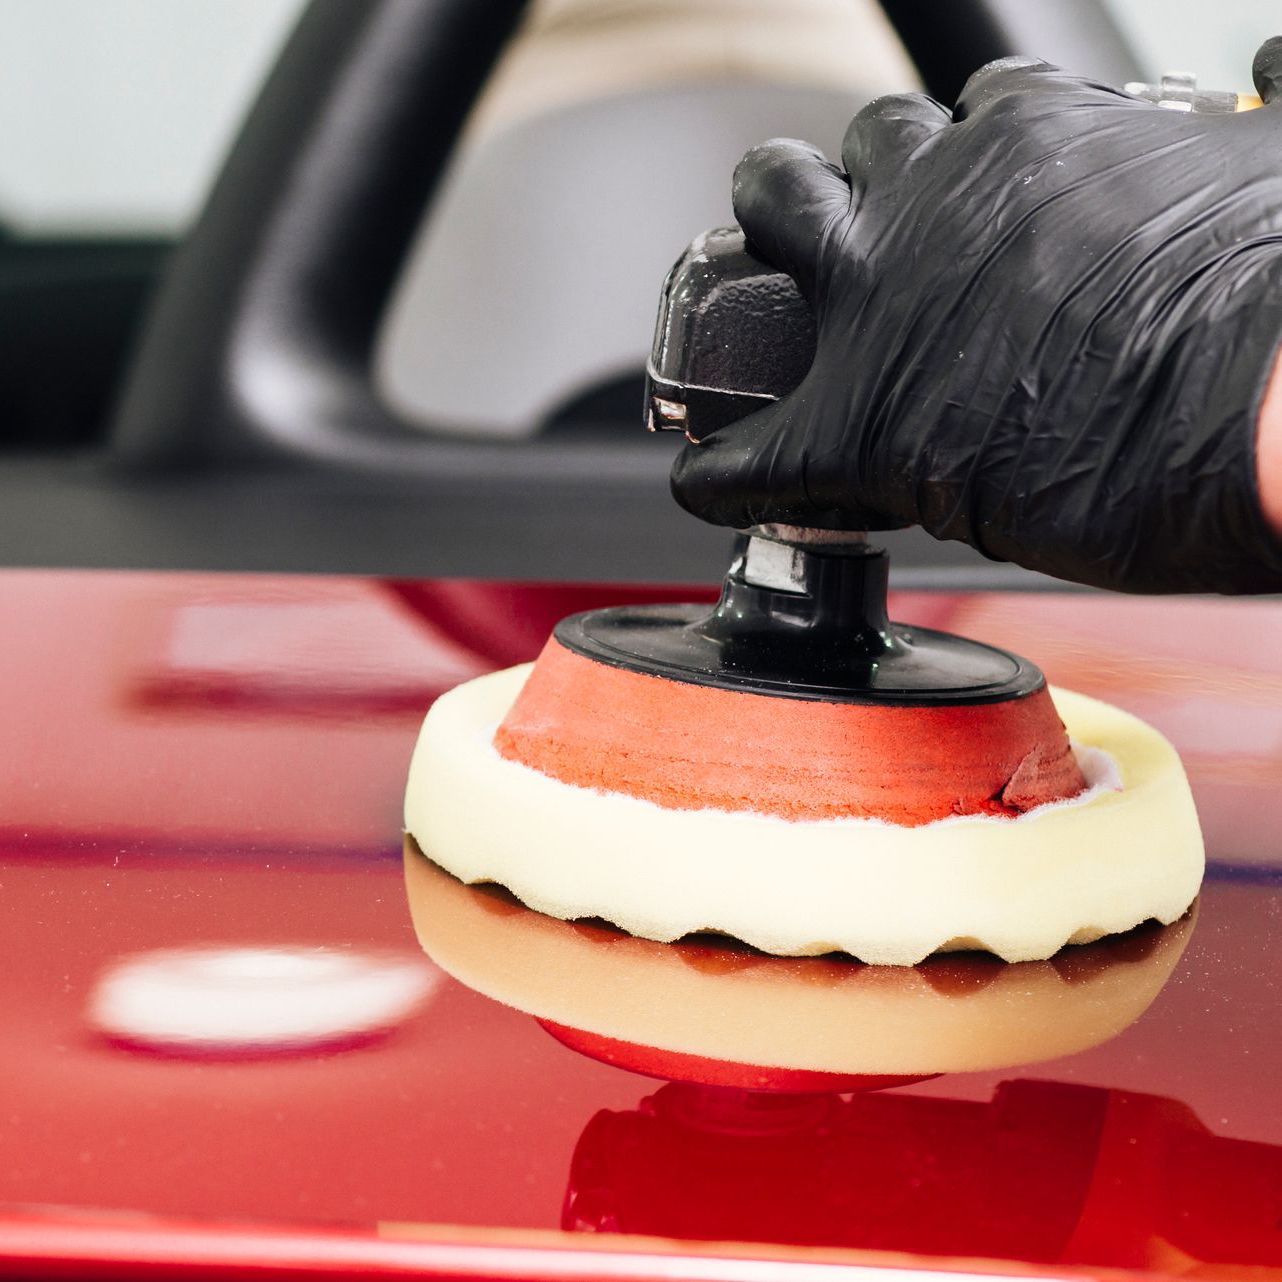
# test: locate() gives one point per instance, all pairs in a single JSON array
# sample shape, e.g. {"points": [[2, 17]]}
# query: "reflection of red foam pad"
{"points": [[687, 747], [677, 1066]]}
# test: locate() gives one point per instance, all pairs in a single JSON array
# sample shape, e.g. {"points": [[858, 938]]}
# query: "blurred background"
{"points": [[119, 114], [368, 284]]}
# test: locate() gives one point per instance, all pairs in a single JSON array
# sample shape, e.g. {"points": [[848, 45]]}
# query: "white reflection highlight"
{"points": [[234, 1001]]}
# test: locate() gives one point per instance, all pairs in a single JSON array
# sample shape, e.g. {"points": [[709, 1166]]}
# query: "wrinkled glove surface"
{"points": [[1046, 321]]}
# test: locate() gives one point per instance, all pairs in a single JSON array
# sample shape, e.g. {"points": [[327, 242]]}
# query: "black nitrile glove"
{"points": [[1045, 326]]}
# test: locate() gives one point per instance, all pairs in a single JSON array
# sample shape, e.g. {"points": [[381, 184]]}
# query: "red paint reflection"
{"points": [[1046, 1172], [679, 1066]]}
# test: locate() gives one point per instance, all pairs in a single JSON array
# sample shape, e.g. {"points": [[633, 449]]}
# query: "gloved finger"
{"points": [[1266, 70], [754, 472], [1009, 77], [887, 131], [1001, 76], [786, 194]]}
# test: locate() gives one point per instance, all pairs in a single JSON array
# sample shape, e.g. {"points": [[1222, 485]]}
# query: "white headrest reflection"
{"points": [[235, 1000]]}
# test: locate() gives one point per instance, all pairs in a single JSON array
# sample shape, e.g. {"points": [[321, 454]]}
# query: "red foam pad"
{"points": [[687, 747]]}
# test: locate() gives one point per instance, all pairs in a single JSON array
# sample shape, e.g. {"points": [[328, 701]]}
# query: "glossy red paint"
{"points": [[1044, 1172], [205, 762]]}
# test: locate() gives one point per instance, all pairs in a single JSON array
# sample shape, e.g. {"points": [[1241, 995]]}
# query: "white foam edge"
{"points": [[1022, 887]]}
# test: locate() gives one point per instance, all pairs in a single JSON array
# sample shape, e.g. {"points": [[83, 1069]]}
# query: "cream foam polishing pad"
{"points": [[1124, 850], [720, 1000]]}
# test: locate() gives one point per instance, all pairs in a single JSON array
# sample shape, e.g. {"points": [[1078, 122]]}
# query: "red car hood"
{"points": [[224, 1049]]}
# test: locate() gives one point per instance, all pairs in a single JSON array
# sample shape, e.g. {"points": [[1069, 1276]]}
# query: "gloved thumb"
{"points": [[758, 472], [1266, 70], [748, 472]]}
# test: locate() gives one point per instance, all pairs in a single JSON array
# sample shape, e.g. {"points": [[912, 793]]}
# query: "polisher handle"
{"points": [[733, 334]]}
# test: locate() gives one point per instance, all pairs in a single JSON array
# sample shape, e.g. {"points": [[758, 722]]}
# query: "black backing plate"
{"points": [[923, 667]]}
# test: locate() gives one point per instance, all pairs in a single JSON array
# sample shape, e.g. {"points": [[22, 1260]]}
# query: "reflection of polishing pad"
{"points": [[1021, 888], [720, 1000]]}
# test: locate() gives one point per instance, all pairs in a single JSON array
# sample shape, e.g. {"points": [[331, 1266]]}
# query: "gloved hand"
{"points": [[1045, 324]]}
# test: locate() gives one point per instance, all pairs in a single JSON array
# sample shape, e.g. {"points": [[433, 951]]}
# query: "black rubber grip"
{"points": [[732, 335]]}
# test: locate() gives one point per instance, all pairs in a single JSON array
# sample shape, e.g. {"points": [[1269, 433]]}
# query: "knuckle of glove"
{"points": [[996, 80], [1266, 69], [773, 182]]}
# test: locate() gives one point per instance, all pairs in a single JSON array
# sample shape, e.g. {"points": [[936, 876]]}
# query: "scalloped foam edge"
{"points": [[808, 1013], [1022, 888]]}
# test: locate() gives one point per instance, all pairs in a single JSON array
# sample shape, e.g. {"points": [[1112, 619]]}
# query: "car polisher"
{"points": [[790, 767]]}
